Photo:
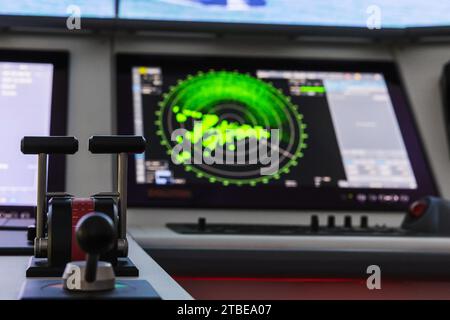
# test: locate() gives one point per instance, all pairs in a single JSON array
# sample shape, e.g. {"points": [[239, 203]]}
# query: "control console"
{"points": [[427, 217]]}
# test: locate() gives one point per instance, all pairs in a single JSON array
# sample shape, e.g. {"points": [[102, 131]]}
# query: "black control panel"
{"points": [[427, 217]]}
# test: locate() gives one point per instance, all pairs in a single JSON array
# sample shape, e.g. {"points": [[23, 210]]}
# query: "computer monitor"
{"points": [[322, 13], [58, 14], [58, 8], [33, 101], [345, 137]]}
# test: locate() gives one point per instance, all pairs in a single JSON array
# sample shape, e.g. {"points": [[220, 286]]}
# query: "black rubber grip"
{"points": [[117, 144], [49, 145]]}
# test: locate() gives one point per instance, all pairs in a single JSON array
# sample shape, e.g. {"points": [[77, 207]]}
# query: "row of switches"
{"points": [[331, 222], [314, 224]]}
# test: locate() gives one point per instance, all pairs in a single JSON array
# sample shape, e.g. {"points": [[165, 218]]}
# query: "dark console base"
{"points": [[38, 268], [37, 289], [302, 263]]}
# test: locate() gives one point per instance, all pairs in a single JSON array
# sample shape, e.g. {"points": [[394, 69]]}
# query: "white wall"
{"points": [[421, 66], [91, 95]]}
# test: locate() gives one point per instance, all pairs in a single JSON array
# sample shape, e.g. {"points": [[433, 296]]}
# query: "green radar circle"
{"points": [[216, 122]]}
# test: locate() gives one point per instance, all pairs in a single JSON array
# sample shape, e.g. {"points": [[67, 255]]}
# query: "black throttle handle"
{"points": [[117, 144], [49, 145]]}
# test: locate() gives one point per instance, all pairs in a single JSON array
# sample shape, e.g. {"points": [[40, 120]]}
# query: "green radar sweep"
{"points": [[220, 109], [212, 133]]}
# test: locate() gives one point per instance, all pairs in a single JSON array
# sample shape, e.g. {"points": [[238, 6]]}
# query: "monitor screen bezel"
{"points": [[133, 25], [112, 24], [261, 29], [58, 123], [319, 199]]}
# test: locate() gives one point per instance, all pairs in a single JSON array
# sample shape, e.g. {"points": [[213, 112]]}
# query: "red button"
{"points": [[418, 208]]}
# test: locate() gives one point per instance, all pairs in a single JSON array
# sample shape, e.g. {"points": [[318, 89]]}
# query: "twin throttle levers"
{"points": [[81, 245], [58, 214]]}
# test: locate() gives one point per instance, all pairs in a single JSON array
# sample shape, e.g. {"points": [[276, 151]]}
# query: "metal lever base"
{"points": [[75, 274]]}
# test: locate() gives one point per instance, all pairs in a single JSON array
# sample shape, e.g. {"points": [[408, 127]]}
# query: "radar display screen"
{"points": [[248, 132], [237, 107]]}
